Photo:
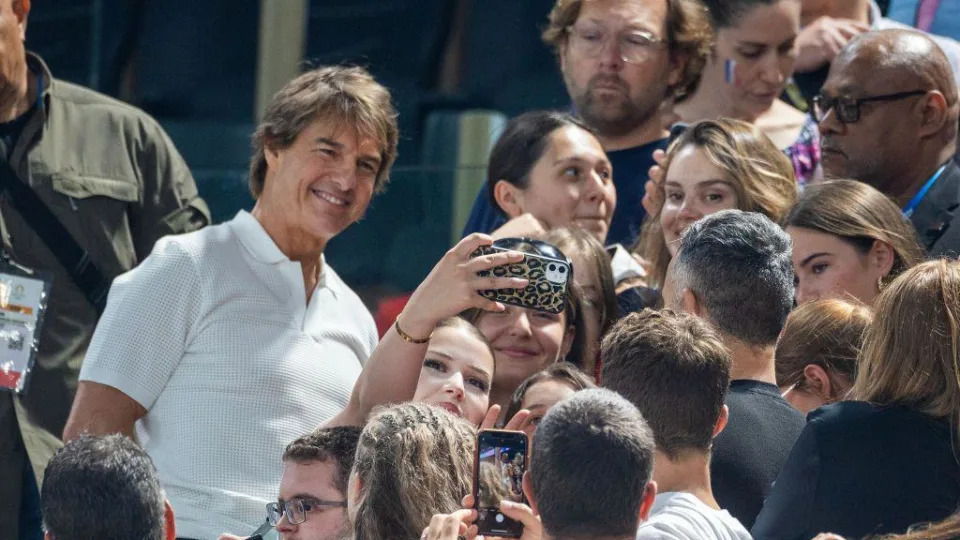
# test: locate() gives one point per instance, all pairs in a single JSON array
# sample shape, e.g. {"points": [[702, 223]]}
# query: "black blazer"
{"points": [[933, 217], [859, 469]]}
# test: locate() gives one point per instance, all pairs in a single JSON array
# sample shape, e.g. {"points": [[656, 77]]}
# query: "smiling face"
{"points": [[524, 341], [694, 187], [457, 374], [539, 399], [762, 45], [827, 266], [613, 96], [310, 481], [571, 183], [320, 184]]}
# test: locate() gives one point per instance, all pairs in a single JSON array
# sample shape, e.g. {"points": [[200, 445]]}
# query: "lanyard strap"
{"points": [[915, 201], [926, 11]]}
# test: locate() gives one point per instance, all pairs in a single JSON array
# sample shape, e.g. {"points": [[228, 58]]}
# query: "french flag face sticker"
{"points": [[730, 71]]}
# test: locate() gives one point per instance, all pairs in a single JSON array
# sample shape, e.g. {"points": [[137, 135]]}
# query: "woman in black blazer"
{"points": [[889, 459]]}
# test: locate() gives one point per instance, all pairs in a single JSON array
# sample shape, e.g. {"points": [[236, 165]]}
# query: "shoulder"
{"points": [[93, 104], [855, 422], [205, 242], [676, 516], [842, 413], [177, 257]]}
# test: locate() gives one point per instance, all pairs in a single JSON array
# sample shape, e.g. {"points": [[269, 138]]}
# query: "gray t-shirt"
{"points": [[681, 516]]}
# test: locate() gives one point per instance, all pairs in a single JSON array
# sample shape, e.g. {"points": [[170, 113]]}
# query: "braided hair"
{"points": [[413, 461]]}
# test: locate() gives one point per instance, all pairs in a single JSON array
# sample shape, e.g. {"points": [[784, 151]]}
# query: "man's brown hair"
{"points": [[336, 444], [344, 96], [675, 369], [689, 36]]}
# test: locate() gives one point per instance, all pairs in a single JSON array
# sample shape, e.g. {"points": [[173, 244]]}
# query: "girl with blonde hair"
{"points": [[413, 461]]}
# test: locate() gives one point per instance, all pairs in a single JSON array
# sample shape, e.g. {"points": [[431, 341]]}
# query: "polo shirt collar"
{"points": [[259, 244]]}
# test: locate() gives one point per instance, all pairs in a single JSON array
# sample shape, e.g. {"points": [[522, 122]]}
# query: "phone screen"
{"points": [[498, 474]]}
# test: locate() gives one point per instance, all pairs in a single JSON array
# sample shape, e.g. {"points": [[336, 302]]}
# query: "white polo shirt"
{"points": [[213, 336]]}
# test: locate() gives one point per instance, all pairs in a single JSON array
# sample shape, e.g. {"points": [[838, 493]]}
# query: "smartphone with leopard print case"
{"points": [[548, 270]]}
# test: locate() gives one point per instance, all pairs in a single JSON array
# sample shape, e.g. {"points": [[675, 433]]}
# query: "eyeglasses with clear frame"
{"points": [[296, 509], [847, 110], [635, 45]]}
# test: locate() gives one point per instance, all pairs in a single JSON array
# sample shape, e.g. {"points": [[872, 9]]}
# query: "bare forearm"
{"points": [[389, 376], [99, 410]]}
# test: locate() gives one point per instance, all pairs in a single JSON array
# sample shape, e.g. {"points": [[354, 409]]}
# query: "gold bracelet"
{"points": [[407, 337]]}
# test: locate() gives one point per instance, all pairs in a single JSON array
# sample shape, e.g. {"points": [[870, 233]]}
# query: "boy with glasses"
{"points": [[312, 501]]}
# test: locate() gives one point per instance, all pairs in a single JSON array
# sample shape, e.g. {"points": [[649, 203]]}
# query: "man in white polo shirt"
{"points": [[226, 344]]}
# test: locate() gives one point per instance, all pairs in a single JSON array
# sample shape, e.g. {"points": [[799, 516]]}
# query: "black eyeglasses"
{"points": [[296, 509], [848, 109]]}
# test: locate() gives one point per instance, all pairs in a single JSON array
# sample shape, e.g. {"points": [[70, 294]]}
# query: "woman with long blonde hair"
{"points": [[888, 460], [714, 165], [413, 460]]}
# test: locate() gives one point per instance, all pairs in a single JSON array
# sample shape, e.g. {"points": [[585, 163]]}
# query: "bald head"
{"points": [[904, 115], [907, 56]]}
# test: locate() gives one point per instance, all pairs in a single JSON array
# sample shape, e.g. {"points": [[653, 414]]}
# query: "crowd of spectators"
{"points": [[757, 335]]}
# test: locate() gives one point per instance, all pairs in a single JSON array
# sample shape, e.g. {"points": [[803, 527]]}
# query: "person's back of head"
{"points": [[413, 461], [910, 351], [100, 488], [735, 267], [675, 369], [817, 352], [590, 471]]}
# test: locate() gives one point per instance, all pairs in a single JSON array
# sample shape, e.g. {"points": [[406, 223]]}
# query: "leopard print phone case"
{"points": [[547, 289]]}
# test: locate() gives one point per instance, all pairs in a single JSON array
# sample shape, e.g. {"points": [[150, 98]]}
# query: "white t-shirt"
{"points": [[213, 336], [681, 516]]}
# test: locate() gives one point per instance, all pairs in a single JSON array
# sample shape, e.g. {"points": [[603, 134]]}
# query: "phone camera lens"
{"points": [[552, 267], [563, 270]]}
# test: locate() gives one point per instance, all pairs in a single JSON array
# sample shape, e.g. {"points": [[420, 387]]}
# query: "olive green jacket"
{"points": [[114, 179]]}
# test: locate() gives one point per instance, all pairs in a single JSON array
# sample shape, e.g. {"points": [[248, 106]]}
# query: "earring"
{"points": [[879, 283]]}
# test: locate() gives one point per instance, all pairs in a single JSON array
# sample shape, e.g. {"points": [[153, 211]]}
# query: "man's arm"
{"points": [[99, 409], [170, 201]]}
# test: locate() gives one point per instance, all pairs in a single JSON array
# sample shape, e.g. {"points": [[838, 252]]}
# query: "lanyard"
{"points": [[915, 201]]}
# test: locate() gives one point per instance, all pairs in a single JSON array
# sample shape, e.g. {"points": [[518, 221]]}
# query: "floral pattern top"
{"points": [[804, 153]]}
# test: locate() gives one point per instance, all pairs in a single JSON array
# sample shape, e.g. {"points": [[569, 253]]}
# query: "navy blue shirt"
{"points": [[630, 172]]}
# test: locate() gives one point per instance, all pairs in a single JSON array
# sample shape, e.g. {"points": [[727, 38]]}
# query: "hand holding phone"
{"points": [[548, 271], [501, 461]]}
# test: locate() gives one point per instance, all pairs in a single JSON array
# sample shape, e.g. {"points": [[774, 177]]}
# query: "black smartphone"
{"points": [[498, 468], [548, 270]]}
